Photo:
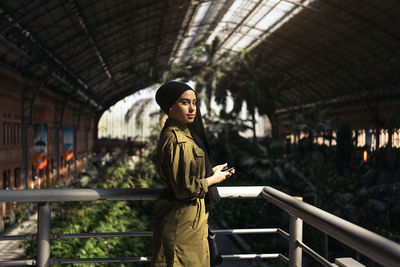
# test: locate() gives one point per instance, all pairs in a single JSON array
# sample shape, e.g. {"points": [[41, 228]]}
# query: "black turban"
{"points": [[169, 92]]}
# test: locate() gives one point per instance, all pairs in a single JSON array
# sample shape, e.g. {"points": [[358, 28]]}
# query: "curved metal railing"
{"points": [[376, 247]]}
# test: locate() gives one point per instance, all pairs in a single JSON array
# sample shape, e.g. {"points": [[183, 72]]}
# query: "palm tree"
{"points": [[137, 110], [250, 81], [313, 122], [175, 71], [205, 67], [209, 66]]}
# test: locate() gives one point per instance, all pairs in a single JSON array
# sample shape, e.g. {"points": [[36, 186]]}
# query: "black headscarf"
{"points": [[166, 96], [169, 92]]}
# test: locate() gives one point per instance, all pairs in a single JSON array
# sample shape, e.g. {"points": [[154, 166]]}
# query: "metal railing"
{"points": [[376, 247]]}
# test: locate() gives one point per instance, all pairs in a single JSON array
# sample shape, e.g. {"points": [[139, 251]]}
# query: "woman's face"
{"points": [[184, 109]]}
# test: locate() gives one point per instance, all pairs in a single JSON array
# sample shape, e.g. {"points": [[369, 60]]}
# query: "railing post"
{"points": [[296, 234], [44, 213]]}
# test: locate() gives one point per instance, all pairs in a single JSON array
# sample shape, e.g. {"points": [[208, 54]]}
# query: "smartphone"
{"points": [[228, 170]]}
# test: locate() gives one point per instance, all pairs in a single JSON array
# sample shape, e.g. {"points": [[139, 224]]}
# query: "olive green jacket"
{"points": [[180, 220]]}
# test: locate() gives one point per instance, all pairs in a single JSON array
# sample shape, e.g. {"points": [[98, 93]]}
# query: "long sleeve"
{"points": [[184, 169]]}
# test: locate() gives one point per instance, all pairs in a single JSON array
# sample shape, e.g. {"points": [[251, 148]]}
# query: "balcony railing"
{"points": [[376, 247]]}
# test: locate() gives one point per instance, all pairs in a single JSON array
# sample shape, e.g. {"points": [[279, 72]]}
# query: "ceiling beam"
{"points": [[92, 42], [368, 22], [78, 56], [19, 17], [51, 63], [122, 62], [211, 26], [240, 23], [119, 51], [36, 80], [153, 63], [194, 5]]}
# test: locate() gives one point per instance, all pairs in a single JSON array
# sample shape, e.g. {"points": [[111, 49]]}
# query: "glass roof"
{"points": [[244, 25]]}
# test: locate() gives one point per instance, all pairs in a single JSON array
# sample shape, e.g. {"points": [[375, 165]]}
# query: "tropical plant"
{"points": [[177, 70], [105, 216], [224, 137], [138, 110], [252, 82], [208, 66], [205, 67], [312, 122]]}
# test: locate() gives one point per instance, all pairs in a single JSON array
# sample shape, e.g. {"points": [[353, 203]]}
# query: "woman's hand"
{"points": [[225, 165], [219, 174]]}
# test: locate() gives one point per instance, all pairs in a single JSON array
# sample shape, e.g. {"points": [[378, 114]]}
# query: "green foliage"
{"points": [[364, 193], [205, 67], [105, 216], [137, 110], [250, 80], [177, 70], [313, 122], [208, 67], [224, 138], [21, 209]]}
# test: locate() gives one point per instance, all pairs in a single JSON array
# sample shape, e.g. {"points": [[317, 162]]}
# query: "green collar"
{"points": [[176, 125]]}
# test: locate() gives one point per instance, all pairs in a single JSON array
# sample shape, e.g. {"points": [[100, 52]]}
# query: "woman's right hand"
{"points": [[219, 174]]}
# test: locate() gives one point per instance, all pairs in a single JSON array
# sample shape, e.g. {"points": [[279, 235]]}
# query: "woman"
{"points": [[180, 220]]}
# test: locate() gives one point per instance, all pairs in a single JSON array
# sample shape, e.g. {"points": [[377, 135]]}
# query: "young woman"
{"points": [[180, 219]]}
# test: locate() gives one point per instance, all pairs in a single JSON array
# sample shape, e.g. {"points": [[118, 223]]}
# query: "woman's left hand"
{"points": [[222, 166]]}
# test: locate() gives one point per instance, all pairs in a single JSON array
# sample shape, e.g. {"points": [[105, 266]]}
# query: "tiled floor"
{"points": [[10, 250]]}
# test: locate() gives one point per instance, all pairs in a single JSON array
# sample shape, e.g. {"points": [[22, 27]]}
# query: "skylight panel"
{"points": [[201, 12], [285, 6], [196, 22], [271, 15], [236, 38], [271, 18], [245, 41], [254, 33], [259, 15], [245, 23]]}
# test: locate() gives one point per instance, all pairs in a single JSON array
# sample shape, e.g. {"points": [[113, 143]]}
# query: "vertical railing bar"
{"points": [[326, 241], [295, 236], [44, 217]]}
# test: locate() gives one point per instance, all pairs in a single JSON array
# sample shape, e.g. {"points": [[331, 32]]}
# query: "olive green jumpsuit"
{"points": [[180, 219]]}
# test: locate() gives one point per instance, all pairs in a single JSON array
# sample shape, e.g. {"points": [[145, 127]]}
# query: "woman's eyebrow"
{"points": [[187, 99]]}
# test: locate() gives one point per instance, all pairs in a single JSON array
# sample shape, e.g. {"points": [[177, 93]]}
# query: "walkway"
{"points": [[11, 250]]}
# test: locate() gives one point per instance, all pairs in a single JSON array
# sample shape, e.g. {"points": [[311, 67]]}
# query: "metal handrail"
{"points": [[376, 247], [64, 195], [141, 234]]}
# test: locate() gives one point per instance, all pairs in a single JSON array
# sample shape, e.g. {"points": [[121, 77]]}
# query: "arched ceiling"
{"points": [[100, 51]]}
